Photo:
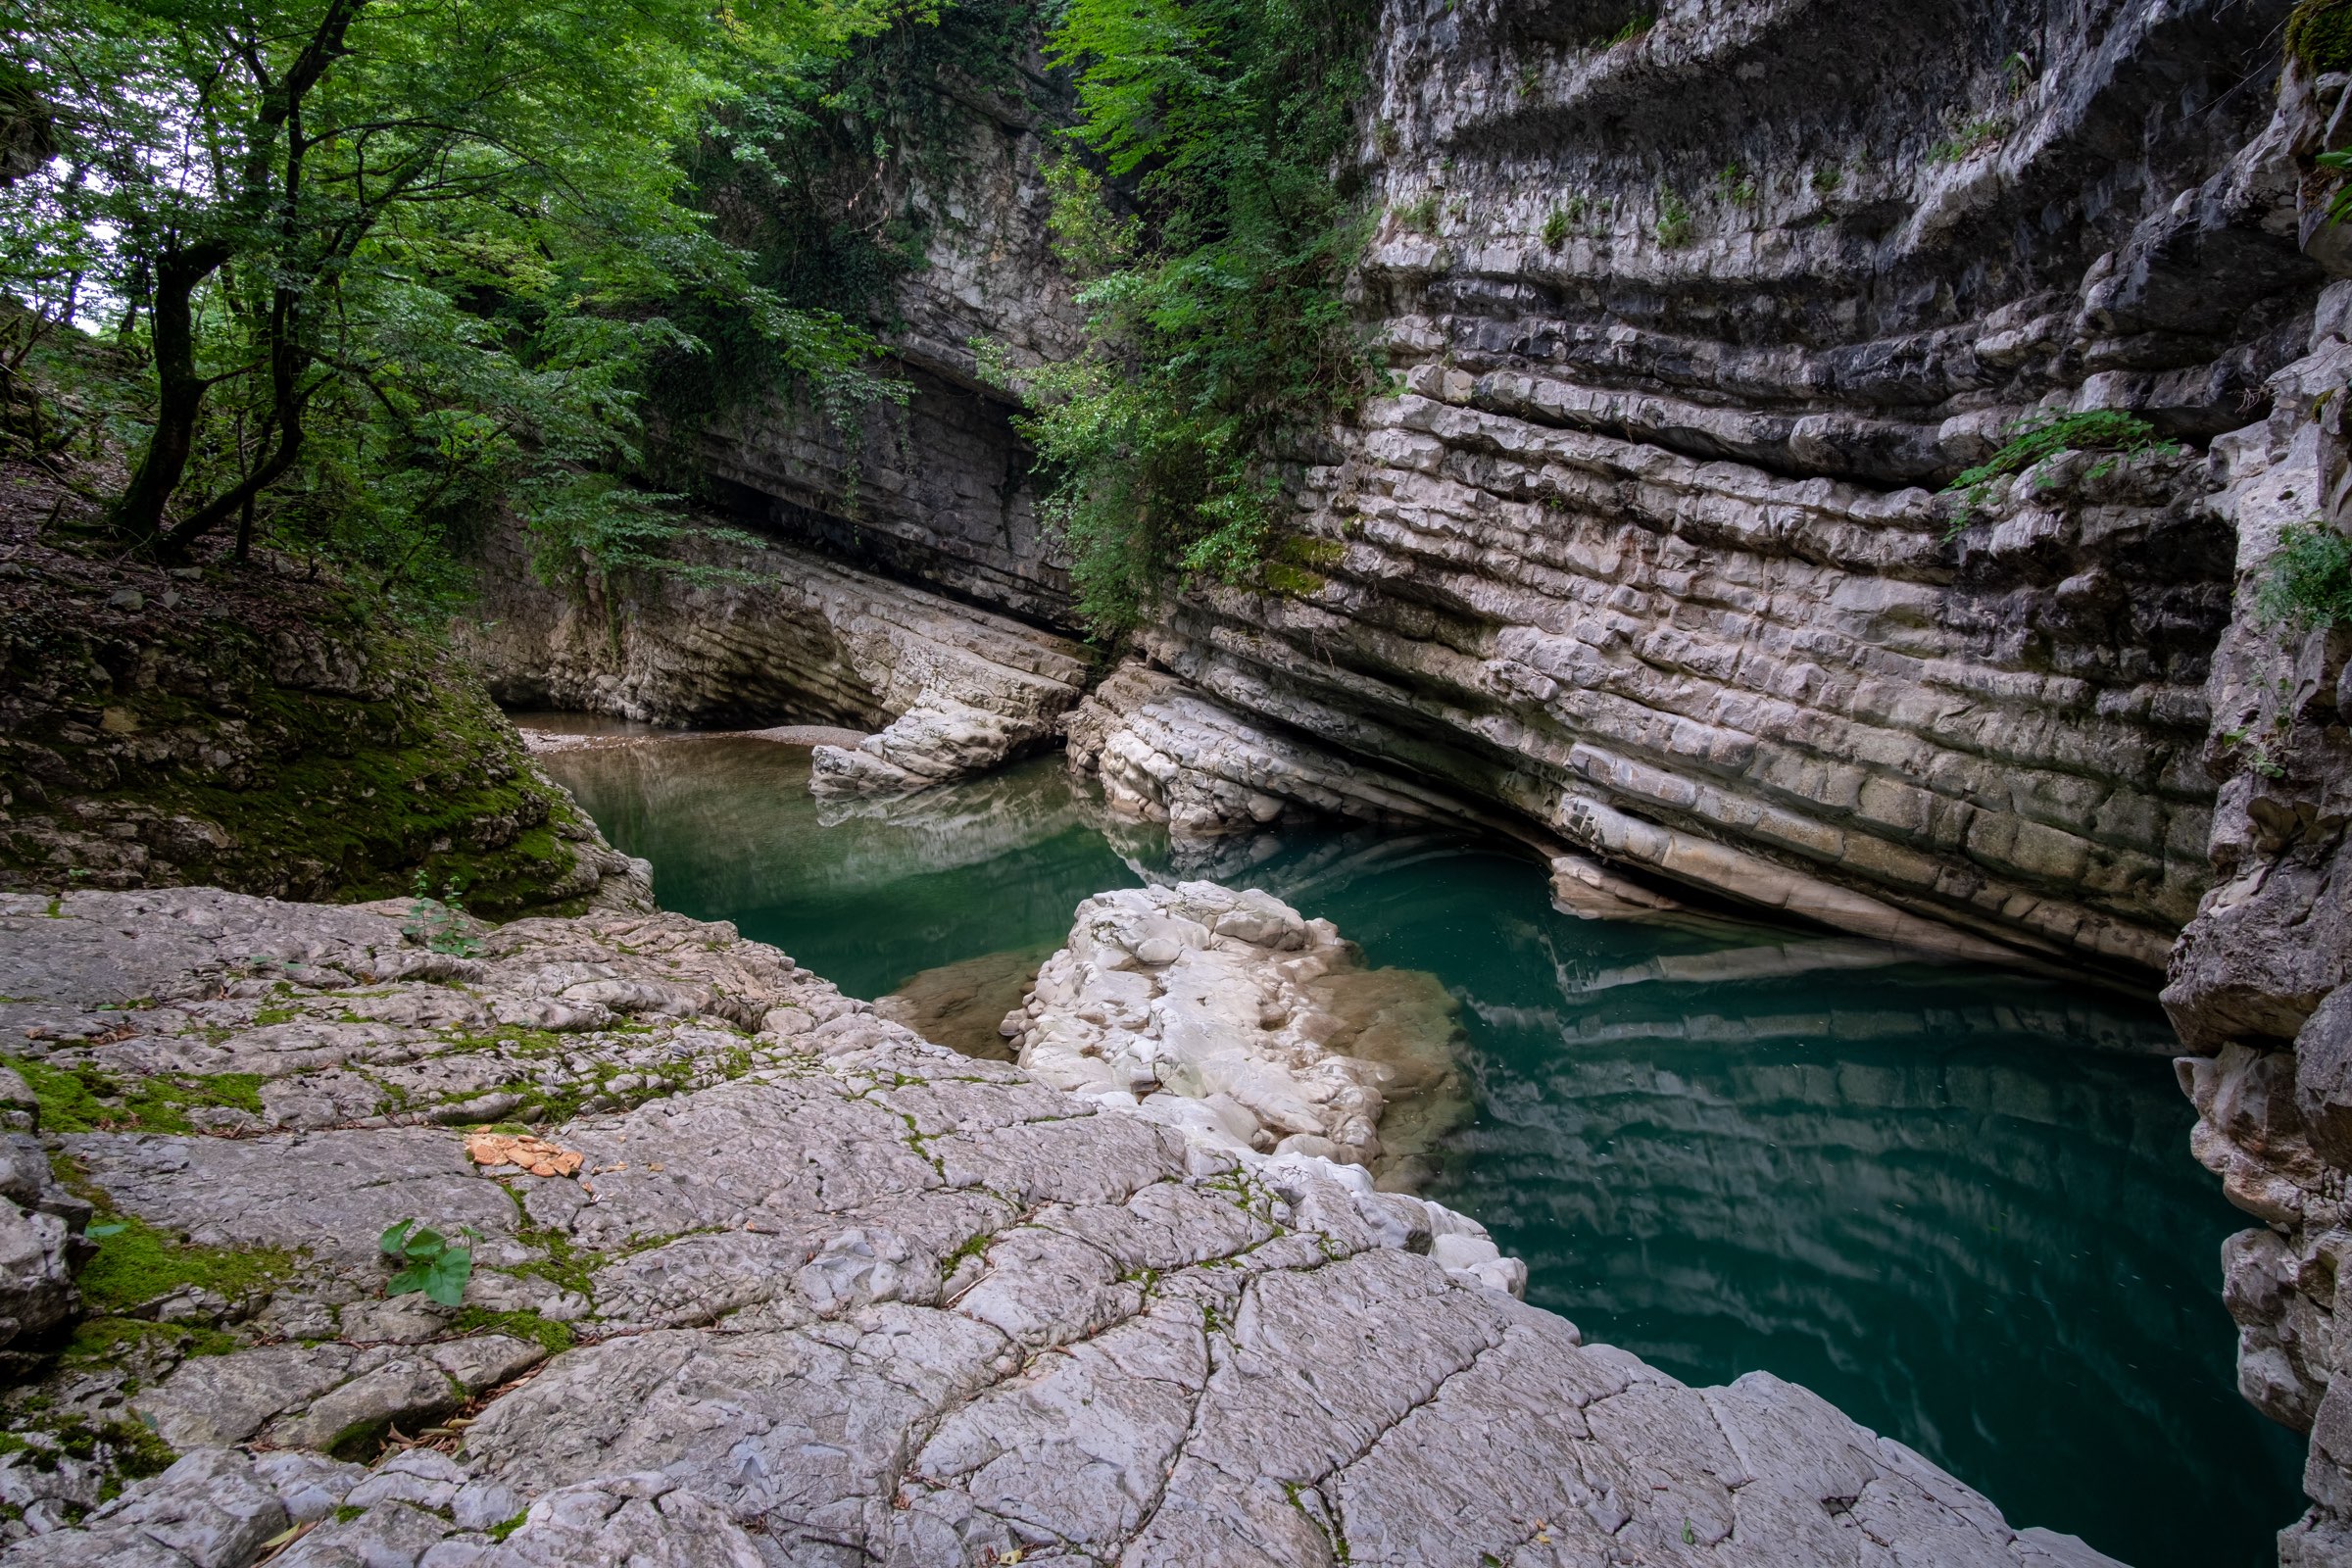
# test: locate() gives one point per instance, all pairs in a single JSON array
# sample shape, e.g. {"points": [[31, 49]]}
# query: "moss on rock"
{"points": [[2319, 35], [244, 727], [138, 1263]]}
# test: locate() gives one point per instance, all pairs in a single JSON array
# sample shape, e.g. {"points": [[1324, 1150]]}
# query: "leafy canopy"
{"points": [[389, 264], [1216, 332]]}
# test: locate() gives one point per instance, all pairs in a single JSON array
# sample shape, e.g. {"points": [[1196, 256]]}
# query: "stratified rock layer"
{"points": [[832, 1295], [1690, 325], [781, 633]]}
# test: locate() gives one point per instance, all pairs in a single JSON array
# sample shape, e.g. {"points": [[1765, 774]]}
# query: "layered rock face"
{"points": [[781, 632], [1646, 551], [816, 1292], [939, 492], [2254, 983]]}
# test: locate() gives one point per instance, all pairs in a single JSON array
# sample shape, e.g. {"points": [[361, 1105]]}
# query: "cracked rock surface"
{"points": [[820, 1292]]}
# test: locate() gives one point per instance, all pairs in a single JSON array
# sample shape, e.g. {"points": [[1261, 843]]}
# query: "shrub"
{"points": [[2308, 583], [1674, 223], [1226, 333], [2033, 439]]}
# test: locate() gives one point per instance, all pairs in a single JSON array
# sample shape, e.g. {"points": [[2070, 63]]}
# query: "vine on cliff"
{"points": [[1216, 332]]}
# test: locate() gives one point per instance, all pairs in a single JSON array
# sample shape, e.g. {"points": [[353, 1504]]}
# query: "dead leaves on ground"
{"points": [[534, 1154]]}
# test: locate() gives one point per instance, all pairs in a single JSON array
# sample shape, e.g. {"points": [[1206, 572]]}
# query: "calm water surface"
{"points": [[1956, 1202]]}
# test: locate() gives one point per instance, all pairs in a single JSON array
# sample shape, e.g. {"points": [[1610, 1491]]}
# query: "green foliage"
{"points": [[1635, 27], [1558, 224], [1224, 335], [1969, 140], [2258, 756], [1092, 240], [137, 1263], [439, 924], [2038, 438], [1674, 223], [810, 169], [2307, 585], [1826, 179], [2319, 35], [2338, 164], [1421, 216], [388, 267], [429, 1261], [1736, 186], [87, 1099]]}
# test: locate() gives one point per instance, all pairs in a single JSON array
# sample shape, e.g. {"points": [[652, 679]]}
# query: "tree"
{"points": [[1216, 325], [403, 256]]}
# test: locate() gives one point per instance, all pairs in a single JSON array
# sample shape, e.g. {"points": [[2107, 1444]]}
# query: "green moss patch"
{"points": [[348, 787], [103, 1339], [138, 1263], [2319, 35], [553, 1337], [87, 1099]]}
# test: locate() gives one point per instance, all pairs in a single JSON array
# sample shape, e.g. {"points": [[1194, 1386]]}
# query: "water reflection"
{"points": [[1956, 1202], [865, 893]]}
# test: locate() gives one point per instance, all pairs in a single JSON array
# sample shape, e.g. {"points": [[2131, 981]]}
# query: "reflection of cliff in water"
{"points": [[1873, 1180], [863, 892]]}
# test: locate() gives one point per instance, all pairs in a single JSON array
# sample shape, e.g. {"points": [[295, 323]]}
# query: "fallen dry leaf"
{"points": [[534, 1154]]}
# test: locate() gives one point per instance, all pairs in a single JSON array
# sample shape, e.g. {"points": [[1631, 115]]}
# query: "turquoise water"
{"points": [[1958, 1202]]}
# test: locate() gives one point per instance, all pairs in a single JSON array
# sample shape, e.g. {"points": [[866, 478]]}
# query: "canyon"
{"points": [[1647, 559]]}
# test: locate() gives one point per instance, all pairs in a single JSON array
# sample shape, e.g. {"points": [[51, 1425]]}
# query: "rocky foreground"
{"points": [[815, 1292]]}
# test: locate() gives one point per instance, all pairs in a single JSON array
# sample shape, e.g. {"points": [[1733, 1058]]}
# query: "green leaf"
{"points": [[445, 1281], [391, 1239]]}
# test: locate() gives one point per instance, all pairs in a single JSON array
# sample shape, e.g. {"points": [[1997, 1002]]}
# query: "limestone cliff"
{"points": [[1690, 325]]}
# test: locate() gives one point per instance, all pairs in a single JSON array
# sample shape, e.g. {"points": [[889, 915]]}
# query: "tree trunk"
{"points": [[180, 390]]}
